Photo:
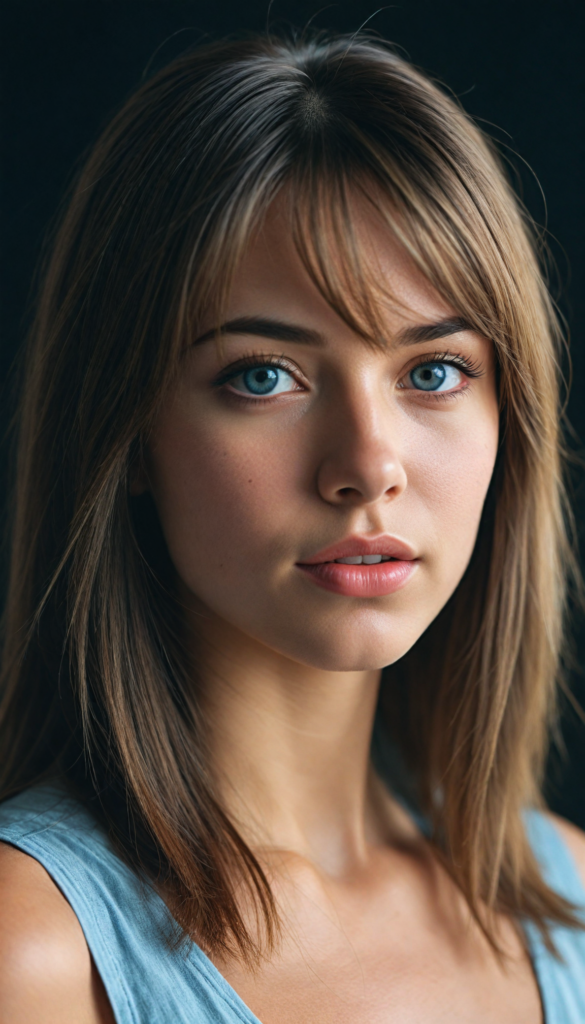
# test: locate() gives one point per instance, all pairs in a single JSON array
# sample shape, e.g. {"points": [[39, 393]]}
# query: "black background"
{"points": [[517, 65]]}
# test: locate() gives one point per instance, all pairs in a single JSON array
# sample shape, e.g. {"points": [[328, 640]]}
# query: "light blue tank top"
{"points": [[125, 922]]}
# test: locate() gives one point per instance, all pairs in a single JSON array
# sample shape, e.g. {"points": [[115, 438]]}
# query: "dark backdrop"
{"points": [[518, 66]]}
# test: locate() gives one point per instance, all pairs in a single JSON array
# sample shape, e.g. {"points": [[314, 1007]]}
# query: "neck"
{"points": [[289, 748]]}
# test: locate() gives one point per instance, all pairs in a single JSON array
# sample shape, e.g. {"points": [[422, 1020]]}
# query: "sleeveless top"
{"points": [[127, 925]]}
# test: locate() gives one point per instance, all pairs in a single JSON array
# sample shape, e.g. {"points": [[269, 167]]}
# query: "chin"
{"points": [[350, 661], [350, 650]]}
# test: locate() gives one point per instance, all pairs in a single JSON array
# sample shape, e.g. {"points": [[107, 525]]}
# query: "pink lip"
{"points": [[362, 580], [383, 544]]}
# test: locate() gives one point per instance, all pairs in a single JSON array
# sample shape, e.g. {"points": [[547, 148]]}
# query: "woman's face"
{"points": [[299, 444]]}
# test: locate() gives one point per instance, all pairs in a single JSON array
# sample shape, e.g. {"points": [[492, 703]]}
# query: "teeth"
{"points": [[366, 559]]}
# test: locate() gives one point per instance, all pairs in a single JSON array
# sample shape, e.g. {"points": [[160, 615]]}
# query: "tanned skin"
{"points": [[47, 974]]}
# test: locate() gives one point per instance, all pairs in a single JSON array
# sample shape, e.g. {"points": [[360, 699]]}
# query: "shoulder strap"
{"points": [[556, 860], [126, 924], [562, 977]]}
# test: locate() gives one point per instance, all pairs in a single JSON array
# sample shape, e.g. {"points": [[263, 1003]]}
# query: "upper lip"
{"points": [[383, 544]]}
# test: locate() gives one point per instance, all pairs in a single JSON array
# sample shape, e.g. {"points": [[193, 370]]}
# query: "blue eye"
{"points": [[435, 377], [263, 380]]}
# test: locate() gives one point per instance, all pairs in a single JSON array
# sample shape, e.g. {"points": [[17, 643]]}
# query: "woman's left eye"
{"points": [[435, 377], [263, 380]]}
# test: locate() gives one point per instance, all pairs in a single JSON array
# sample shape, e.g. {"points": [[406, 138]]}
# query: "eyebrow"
{"points": [[263, 327], [279, 330], [432, 332]]}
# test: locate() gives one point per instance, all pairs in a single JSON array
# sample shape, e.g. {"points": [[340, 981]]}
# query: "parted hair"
{"points": [[99, 686]]}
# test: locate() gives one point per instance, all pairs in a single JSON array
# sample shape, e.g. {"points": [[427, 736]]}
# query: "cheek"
{"points": [[232, 498], [221, 495], [450, 476]]}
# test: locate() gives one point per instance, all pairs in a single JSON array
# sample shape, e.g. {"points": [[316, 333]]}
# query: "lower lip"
{"points": [[361, 580]]}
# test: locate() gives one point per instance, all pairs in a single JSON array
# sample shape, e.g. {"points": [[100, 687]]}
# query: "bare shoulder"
{"points": [[575, 840], [47, 975]]}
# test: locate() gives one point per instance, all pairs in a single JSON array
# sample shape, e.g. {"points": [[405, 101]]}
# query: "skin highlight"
{"points": [[47, 973]]}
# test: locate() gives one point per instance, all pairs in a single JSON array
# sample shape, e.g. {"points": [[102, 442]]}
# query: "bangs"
{"points": [[328, 222], [326, 206], [332, 220]]}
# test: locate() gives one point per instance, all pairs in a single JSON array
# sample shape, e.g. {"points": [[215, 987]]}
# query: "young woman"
{"points": [[288, 570]]}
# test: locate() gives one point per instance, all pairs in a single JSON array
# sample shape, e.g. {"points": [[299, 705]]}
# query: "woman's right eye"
{"points": [[263, 380]]}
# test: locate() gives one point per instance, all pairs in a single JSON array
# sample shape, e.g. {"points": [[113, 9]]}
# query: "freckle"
{"points": [[249, 481]]}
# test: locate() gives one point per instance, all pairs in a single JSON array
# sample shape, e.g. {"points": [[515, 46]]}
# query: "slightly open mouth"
{"points": [[362, 560]]}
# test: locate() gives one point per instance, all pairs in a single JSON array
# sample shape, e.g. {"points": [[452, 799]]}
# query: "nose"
{"points": [[362, 462]]}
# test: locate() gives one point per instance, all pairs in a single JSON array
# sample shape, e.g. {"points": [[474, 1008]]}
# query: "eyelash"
{"points": [[469, 367], [252, 360], [249, 362]]}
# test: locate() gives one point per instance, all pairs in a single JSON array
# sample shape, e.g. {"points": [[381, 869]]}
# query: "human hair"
{"points": [[98, 684]]}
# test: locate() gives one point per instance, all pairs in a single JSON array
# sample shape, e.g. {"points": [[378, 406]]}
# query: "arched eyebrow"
{"points": [[263, 327], [279, 330], [432, 332]]}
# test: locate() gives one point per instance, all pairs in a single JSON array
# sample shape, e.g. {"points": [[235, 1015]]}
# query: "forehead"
{"points": [[273, 278]]}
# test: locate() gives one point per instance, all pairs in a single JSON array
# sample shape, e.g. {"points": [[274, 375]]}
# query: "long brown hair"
{"points": [[97, 686]]}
